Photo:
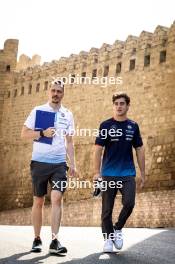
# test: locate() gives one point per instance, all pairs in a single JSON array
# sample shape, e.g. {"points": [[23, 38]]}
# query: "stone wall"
{"points": [[147, 67], [8, 61], [152, 209], [25, 61]]}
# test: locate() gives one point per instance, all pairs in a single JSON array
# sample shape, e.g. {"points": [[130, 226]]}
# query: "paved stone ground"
{"points": [[141, 245]]}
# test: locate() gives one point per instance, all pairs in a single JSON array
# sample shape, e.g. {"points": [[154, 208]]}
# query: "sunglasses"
{"points": [[58, 83]]}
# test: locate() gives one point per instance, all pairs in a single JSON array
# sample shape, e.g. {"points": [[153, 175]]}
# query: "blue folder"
{"points": [[44, 120]]}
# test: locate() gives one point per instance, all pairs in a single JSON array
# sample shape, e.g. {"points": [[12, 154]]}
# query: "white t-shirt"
{"points": [[56, 152]]}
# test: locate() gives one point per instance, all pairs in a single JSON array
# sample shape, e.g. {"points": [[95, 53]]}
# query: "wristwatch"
{"points": [[41, 133]]}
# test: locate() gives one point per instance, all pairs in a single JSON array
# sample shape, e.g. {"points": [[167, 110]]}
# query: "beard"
{"points": [[55, 100]]}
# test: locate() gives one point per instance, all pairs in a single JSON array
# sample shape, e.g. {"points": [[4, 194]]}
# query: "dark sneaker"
{"points": [[57, 248], [37, 245]]}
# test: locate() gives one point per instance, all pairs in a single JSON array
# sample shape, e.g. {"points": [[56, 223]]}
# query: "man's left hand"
{"points": [[72, 171]]}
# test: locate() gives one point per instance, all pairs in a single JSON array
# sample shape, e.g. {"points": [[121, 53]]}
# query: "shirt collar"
{"points": [[61, 109]]}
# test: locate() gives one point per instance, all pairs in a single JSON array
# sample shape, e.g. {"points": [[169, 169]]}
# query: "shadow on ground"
{"points": [[157, 249]]}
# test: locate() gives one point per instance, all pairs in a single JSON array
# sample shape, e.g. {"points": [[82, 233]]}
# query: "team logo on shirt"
{"points": [[129, 133], [62, 114]]}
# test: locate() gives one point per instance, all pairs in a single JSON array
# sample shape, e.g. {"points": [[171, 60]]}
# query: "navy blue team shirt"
{"points": [[118, 139]]}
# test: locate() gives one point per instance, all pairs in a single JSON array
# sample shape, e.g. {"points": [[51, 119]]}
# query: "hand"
{"points": [[49, 132], [72, 171], [141, 182], [96, 176]]}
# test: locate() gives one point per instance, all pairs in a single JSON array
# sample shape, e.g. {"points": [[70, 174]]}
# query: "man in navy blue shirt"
{"points": [[117, 137]]}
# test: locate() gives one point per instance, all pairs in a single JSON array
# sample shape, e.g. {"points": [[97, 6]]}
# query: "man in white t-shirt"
{"points": [[48, 164]]}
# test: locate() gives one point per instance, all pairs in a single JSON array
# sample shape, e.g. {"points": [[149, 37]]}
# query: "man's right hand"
{"points": [[49, 132], [96, 176]]}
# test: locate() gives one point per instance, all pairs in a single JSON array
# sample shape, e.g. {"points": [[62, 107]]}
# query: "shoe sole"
{"points": [[61, 251], [36, 250], [108, 251]]}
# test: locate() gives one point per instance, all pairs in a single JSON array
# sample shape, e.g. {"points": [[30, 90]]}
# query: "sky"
{"points": [[55, 28]]}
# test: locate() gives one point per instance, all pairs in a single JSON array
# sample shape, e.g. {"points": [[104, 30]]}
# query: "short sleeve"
{"points": [[101, 139], [30, 121], [71, 126], [137, 139]]}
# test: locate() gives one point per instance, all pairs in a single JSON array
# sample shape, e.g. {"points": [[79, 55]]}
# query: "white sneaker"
{"points": [[108, 246], [118, 240]]}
